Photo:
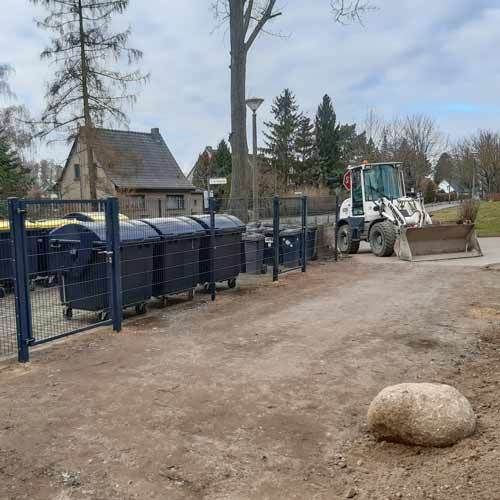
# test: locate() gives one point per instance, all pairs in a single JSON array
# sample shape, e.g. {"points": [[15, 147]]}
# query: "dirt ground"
{"points": [[262, 395]]}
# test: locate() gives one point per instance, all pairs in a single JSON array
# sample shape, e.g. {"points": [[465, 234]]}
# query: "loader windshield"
{"points": [[382, 180]]}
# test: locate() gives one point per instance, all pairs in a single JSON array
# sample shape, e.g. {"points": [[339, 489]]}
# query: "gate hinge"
{"points": [[21, 211]]}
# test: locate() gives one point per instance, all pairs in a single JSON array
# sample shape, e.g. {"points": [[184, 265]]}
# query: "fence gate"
{"points": [[289, 238], [63, 276]]}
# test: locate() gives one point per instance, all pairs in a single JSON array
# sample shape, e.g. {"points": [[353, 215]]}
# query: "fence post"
{"points": [[276, 238], [114, 261], [211, 209], [337, 213], [24, 323], [159, 207], [304, 234]]}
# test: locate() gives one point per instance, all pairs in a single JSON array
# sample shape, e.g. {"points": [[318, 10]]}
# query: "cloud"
{"points": [[420, 56]]}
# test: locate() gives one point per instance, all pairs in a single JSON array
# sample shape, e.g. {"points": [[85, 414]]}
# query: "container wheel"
{"points": [[263, 269], [191, 294], [231, 283], [164, 302], [2, 292], [68, 312], [103, 315], [32, 286], [140, 309]]}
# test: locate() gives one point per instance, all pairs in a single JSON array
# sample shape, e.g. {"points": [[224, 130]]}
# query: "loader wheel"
{"points": [[383, 238], [344, 240]]}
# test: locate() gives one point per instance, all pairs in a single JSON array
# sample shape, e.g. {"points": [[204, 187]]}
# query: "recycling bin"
{"points": [[312, 246], [227, 252], [253, 250], [176, 255], [290, 247], [7, 271], [6, 263], [78, 256]]}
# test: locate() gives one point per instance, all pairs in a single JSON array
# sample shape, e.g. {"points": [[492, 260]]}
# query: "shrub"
{"points": [[468, 212]]}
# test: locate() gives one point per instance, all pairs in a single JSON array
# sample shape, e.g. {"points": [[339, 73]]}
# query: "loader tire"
{"points": [[382, 238], [345, 242]]}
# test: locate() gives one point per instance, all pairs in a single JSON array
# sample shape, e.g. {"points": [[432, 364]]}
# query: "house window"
{"points": [[139, 201], [175, 202], [77, 172]]}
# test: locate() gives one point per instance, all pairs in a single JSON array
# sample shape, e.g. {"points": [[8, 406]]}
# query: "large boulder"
{"points": [[421, 414]]}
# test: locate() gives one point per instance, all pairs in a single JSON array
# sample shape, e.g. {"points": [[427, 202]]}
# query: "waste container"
{"points": [[290, 247], [78, 256], [176, 256], [6, 263], [253, 251], [7, 272], [227, 255], [92, 216], [312, 246], [38, 239]]}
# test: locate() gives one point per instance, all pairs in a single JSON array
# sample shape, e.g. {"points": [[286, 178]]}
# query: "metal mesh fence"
{"points": [[66, 264], [8, 331], [86, 261]]}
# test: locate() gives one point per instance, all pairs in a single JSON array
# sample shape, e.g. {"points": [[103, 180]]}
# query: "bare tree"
{"points": [[486, 146], [247, 20], [5, 71], [85, 90]]}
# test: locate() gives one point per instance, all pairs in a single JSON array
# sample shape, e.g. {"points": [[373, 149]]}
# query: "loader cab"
{"points": [[383, 180]]}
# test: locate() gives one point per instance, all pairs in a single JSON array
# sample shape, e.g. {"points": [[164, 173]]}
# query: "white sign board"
{"points": [[217, 181]]}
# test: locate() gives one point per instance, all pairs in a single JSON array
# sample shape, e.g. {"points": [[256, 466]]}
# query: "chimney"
{"points": [[155, 132]]}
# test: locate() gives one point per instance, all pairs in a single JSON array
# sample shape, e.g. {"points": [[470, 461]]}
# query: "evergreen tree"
{"points": [[86, 89], [222, 166], [305, 147], [14, 179], [281, 137], [444, 168], [327, 137], [203, 169]]}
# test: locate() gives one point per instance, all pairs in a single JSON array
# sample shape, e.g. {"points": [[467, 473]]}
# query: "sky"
{"points": [[436, 57]]}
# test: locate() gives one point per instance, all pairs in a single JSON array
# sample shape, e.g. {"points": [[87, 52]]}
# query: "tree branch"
{"points": [[267, 14]]}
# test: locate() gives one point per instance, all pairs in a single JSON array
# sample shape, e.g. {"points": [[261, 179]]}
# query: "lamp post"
{"points": [[254, 104], [475, 154]]}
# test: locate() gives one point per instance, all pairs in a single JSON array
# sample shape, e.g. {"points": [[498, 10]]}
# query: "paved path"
{"points": [[489, 246]]}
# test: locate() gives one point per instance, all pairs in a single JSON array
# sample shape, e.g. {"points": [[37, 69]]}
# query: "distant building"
{"points": [[129, 164]]}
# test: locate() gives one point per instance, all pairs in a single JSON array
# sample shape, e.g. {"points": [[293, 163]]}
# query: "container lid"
{"points": [[253, 236], [291, 232], [136, 231], [92, 216], [222, 222], [175, 226]]}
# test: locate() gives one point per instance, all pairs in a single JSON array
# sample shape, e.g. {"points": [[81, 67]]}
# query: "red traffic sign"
{"points": [[347, 180]]}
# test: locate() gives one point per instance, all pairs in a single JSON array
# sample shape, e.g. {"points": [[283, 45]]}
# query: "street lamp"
{"points": [[254, 104], [475, 154]]}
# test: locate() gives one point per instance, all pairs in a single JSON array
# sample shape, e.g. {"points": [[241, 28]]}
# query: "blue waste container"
{"points": [[78, 257], [176, 255], [227, 252], [290, 247]]}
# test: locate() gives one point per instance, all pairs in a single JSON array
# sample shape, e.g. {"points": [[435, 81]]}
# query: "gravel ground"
{"points": [[262, 395]]}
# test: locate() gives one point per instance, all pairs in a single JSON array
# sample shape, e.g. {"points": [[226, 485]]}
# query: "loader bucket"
{"points": [[439, 242]]}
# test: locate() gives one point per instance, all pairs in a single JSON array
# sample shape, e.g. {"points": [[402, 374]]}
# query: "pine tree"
{"points": [[327, 137], [281, 137], [14, 178], [444, 168], [222, 167], [305, 146], [85, 89]]}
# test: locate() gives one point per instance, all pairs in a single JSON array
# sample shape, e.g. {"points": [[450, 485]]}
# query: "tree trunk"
{"points": [[89, 137], [240, 175]]}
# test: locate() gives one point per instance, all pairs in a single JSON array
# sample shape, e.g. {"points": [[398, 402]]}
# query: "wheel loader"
{"points": [[379, 212]]}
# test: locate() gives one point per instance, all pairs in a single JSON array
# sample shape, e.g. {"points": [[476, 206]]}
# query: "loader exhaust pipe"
{"points": [[438, 242]]}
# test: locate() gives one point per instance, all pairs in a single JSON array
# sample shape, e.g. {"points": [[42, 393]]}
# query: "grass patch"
{"points": [[488, 219]]}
